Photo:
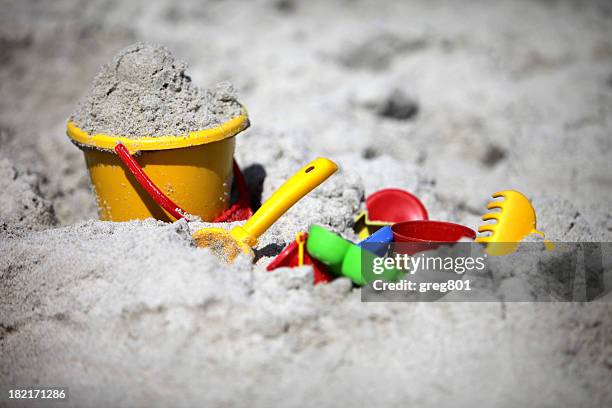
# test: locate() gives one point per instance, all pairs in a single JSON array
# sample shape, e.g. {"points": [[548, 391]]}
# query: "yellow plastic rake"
{"points": [[515, 220]]}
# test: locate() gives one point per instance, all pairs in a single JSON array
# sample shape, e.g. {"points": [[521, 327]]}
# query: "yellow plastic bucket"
{"points": [[194, 171]]}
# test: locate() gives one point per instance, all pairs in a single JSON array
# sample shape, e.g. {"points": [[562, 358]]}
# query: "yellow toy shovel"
{"points": [[515, 220], [229, 244]]}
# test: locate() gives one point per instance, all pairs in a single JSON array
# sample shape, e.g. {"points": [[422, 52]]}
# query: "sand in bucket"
{"points": [[184, 135]]}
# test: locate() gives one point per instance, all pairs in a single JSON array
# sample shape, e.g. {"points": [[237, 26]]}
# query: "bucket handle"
{"points": [[164, 201], [156, 194]]}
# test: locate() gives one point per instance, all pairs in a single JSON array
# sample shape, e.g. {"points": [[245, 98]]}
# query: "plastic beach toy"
{"points": [[386, 207], [145, 182], [395, 205], [378, 241], [430, 231], [327, 247], [343, 257], [515, 220], [193, 171], [425, 235], [228, 244], [364, 226], [295, 254], [239, 211]]}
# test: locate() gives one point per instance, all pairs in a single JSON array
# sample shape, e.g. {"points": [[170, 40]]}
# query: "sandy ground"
{"points": [[452, 102]]}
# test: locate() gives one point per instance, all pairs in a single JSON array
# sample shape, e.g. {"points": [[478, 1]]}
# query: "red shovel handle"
{"points": [[146, 183]]}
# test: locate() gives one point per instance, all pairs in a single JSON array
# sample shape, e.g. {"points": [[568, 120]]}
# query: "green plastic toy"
{"points": [[343, 257]]}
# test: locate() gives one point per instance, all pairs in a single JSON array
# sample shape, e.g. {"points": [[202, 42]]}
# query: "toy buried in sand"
{"points": [[386, 207], [379, 241], [229, 244], [515, 220], [295, 254], [345, 258], [239, 211], [424, 235], [193, 171]]}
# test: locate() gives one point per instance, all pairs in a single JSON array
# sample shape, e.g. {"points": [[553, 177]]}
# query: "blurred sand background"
{"points": [[452, 101]]}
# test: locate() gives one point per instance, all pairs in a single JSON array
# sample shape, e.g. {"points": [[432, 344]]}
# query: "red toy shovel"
{"points": [[295, 254]]}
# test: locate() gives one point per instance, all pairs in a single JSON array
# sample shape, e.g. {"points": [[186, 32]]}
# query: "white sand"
{"points": [[512, 95], [146, 91]]}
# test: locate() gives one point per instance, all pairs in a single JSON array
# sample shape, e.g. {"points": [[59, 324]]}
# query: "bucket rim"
{"points": [[108, 142]]}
